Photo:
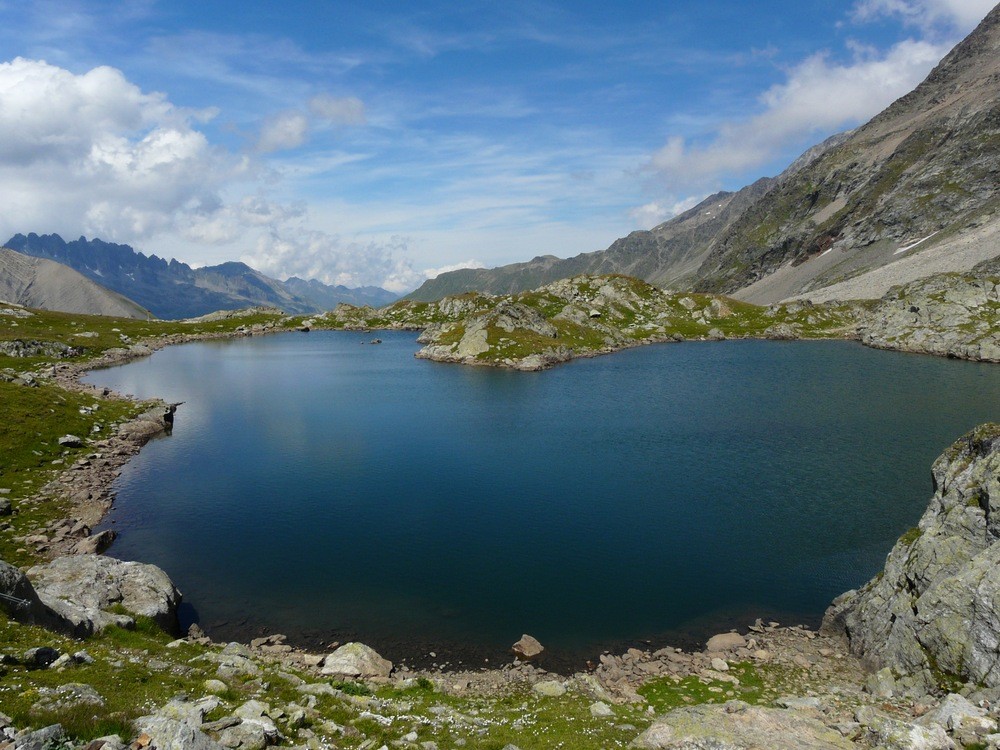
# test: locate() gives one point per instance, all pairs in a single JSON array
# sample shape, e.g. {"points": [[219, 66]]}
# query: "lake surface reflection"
{"points": [[331, 490]]}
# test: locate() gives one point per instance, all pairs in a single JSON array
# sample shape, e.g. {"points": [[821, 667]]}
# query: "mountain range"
{"points": [[36, 282], [914, 191], [171, 289]]}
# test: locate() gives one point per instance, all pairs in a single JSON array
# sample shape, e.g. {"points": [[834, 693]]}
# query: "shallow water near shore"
{"points": [[331, 490]]}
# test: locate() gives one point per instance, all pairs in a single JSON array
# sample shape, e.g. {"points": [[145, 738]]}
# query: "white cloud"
{"points": [[93, 154], [284, 131], [431, 273], [657, 212], [313, 254], [338, 111], [819, 97], [954, 15]]}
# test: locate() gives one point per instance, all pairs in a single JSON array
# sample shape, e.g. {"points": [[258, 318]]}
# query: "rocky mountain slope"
{"points": [[667, 255], [922, 171], [45, 284], [919, 180], [172, 290]]}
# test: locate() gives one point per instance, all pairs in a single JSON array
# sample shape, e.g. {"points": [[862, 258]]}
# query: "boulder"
{"points": [[549, 688], [725, 642], [356, 661], [72, 695], [170, 734], [935, 611], [887, 733], [21, 602], [40, 739], [527, 648], [954, 712], [96, 544], [738, 726], [83, 586]]}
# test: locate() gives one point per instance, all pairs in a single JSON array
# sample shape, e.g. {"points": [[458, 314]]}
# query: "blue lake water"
{"points": [[331, 490]]}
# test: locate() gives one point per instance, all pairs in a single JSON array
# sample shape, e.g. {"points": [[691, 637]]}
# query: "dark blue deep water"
{"points": [[328, 490]]}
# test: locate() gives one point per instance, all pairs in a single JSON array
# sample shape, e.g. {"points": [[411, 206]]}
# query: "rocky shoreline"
{"points": [[844, 702], [773, 687]]}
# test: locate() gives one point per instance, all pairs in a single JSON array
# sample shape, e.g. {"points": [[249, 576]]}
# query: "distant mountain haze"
{"points": [[915, 191], [172, 290]]}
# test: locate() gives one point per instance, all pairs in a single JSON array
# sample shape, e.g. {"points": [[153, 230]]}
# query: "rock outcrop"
{"points": [[738, 726], [933, 615], [953, 315], [81, 588], [356, 661]]}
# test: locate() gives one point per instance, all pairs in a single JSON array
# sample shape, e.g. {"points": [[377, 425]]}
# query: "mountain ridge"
{"points": [[910, 181], [41, 283], [172, 289]]}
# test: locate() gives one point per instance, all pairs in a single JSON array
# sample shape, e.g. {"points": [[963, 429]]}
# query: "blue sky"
{"points": [[378, 142]]}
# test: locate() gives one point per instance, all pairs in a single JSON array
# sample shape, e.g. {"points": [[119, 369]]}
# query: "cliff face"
{"points": [[934, 613]]}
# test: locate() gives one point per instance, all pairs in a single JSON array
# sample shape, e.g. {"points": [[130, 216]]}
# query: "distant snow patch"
{"points": [[910, 247]]}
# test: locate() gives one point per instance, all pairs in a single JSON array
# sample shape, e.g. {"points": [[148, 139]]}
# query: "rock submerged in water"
{"points": [[527, 648]]}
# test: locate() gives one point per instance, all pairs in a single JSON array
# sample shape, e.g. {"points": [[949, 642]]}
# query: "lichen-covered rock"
{"points": [[738, 726], [947, 314], [356, 661], [82, 587], [22, 603], [935, 610], [887, 733], [170, 734]]}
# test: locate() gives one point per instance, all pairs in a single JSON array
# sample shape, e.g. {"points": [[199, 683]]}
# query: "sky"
{"points": [[382, 142]]}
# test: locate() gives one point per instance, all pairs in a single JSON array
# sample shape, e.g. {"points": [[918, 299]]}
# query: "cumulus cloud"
{"points": [[93, 153], [953, 15], [818, 97], [291, 129], [339, 111]]}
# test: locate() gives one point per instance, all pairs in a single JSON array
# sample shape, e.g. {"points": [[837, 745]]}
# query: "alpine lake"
{"points": [[330, 489]]}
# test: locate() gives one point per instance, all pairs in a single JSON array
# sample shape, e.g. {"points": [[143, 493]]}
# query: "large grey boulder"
{"points": [[171, 734], [356, 661], [82, 587], [21, 602], [935, 611], [738, 726]]}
